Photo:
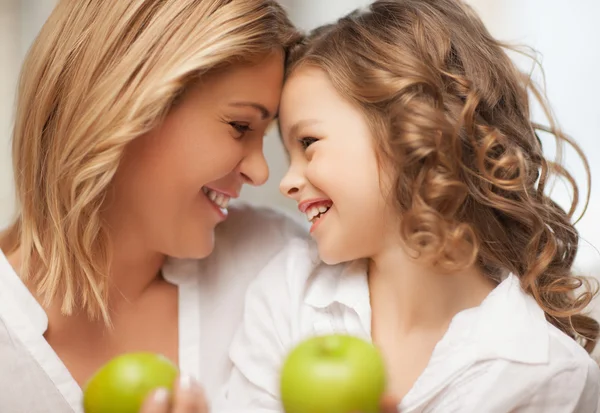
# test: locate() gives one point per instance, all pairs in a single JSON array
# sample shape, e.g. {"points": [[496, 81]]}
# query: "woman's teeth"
{"points": [[313, 213], [220, 200]]}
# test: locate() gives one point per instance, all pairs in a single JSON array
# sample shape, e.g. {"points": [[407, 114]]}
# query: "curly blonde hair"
{"points": [[450, 112], [100, 74]]}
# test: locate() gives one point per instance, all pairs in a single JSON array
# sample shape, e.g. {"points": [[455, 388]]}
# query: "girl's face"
{"points": [[174, 183], [334, 173]]}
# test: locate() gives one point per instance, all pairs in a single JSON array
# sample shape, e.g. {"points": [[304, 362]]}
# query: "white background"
{"points": [[566, 35]]}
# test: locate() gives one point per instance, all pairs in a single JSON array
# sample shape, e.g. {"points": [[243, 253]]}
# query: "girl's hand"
{"points": [[187, 398], [389, 404]]}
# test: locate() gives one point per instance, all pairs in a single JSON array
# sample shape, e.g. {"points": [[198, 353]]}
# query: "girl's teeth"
{"points": [[314, 212]]}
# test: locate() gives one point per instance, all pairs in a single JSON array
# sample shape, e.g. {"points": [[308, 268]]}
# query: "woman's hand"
{"points": [[188, 397]]}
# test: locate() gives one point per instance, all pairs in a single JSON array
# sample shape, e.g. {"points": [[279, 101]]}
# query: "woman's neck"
{"points": [[134, 267], [411, 296]]}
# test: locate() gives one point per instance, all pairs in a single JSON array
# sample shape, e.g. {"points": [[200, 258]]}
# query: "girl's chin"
{"points": [[331, 256]]}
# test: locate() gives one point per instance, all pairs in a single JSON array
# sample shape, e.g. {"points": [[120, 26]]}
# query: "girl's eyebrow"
{"points": [[296, 127]]}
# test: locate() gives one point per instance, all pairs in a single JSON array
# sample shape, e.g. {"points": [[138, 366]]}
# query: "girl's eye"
{"points": [[306, 142], [241, 128]]}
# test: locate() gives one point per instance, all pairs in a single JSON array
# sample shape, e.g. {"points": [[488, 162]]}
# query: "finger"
{"points": [[389, 404], [189, 397], [156, 402]]}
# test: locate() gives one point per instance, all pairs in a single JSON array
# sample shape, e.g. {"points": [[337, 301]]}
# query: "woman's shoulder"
{"points": [[255, 234], [251, 223], [244, 243], [296, 273], [293, 265]]}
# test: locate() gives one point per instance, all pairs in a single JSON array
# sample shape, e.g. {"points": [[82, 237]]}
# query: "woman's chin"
{"points": [[194, 249]]}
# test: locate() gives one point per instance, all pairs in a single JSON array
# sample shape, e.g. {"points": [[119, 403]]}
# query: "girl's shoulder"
{"points": [[506, 343]]}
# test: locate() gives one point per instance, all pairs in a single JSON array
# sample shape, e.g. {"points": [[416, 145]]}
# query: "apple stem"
{"points": [[328, 345]]}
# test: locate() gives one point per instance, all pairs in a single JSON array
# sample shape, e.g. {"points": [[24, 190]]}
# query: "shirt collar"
{"points": [[17, 302], [345, 284]]}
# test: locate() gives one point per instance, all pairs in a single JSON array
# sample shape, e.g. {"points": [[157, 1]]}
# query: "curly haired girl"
{"points": [[414, 157]]}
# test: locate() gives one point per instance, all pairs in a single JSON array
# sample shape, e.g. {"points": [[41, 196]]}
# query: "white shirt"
{"points": [[502, 356], [34, 380]]}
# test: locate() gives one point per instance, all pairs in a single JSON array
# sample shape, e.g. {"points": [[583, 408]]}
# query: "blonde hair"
{"points": [[450, 112], [100, 74]]}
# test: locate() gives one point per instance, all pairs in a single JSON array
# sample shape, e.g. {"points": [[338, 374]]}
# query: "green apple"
{"points": [[333, 374], [122, 384]]}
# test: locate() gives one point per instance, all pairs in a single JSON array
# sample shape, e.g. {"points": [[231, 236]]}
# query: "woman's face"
{"points": [[174, 183]]}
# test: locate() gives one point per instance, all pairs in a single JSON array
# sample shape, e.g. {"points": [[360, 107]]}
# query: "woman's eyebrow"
{"points": [[264, 112]]}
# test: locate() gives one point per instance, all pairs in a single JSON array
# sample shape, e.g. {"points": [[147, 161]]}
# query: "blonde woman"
{"points": [[137, 122]]}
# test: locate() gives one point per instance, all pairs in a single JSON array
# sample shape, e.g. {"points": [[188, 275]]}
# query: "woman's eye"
{"points": [[241, 128], [306, 142]]}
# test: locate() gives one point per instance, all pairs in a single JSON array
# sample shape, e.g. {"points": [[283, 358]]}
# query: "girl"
{"points": [[136, 123], [413, 156]]}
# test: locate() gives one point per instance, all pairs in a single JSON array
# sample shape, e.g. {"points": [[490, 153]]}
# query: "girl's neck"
{"points": [[412, 296]]}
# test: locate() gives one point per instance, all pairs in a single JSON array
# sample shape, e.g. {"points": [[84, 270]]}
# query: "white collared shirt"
{"points": [[34, 380], [502, 356]]}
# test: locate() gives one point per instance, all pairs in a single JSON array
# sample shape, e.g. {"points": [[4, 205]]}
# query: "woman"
{"points": [[137, 122]]}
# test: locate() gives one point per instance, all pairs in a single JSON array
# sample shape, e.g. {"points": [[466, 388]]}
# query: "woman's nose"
{"points": [[254, 168]]}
